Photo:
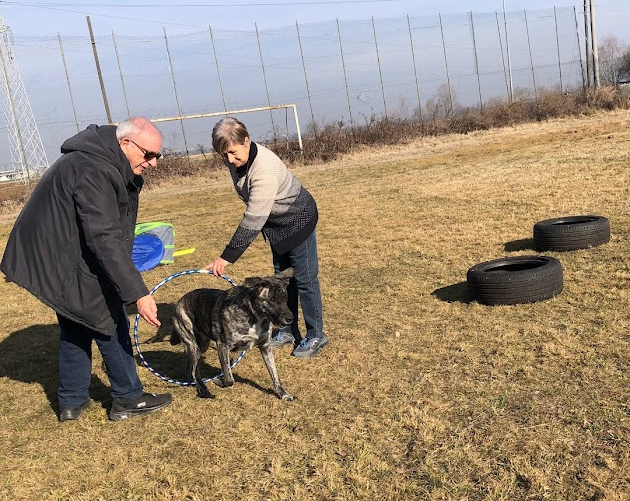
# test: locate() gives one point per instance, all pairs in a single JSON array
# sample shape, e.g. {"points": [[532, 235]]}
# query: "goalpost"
{"points": [[234, 112]]}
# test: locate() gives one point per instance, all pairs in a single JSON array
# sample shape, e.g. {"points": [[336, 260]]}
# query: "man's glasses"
{"points": [[148, 155]]}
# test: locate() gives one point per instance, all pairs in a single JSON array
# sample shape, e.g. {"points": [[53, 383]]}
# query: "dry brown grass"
{"points": [[422, 394]]}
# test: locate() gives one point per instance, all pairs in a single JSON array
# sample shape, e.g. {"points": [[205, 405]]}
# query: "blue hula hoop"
{"points": [[137, 343]]}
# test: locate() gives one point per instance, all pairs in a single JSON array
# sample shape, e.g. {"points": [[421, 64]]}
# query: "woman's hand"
{"points": [[217, 266]]}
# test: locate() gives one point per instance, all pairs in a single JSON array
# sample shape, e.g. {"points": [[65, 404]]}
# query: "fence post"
{"points": [[415, 71], [380, 72], [122, 80], [98, 71], [587, 48], [555, 17], [345, 77], [507, 85], [308, 92], [262, 64], [214, 51], [474, 39], [507, 51], [577, 37], [531, 58], [594, 46], [448, 78], [179, 108], [65, 68]]}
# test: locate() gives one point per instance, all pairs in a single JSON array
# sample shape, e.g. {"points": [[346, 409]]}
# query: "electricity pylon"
{"points": [[27, 151]]}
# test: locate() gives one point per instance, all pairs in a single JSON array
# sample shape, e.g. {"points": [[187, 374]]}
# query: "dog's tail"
{"points": [[175, 339]]}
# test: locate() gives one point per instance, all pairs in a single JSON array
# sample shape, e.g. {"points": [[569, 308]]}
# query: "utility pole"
{"points": [[594, 43]]}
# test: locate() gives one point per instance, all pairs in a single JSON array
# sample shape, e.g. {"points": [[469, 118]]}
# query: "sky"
{"points": [[151, 17]]}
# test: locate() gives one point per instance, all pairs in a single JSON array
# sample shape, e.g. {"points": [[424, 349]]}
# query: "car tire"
{"points": [[571, 233], [514, 280]]}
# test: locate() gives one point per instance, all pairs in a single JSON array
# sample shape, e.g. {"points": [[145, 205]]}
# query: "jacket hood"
{"points": [[101, 142]]}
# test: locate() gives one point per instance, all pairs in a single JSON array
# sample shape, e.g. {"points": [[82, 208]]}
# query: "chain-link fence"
{"points": [[337, 71]]}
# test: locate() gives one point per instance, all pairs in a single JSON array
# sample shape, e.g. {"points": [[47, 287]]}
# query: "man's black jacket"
{"points": [[71, 244]]}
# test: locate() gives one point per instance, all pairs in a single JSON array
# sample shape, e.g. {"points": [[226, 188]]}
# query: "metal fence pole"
{"points": [[531, 58], [98, 70], [65, 69], [345, 77], [179, 108], [214, 51], [558, 48], [415, 70], [262, 64], [308, 91], [594, 45], [577, 37], [507, 51], [474, 40], [587, 48], [507, 85], [380, 72], [122, 80], [448, 78]]}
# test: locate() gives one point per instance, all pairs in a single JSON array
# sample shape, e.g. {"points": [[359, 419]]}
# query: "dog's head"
{"points": [[269, 297]]}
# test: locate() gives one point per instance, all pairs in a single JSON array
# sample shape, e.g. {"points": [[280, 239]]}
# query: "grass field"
{"points": [[423, 393]]}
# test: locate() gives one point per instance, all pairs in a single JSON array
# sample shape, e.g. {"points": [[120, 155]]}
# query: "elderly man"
{"points": [[71, 248]]}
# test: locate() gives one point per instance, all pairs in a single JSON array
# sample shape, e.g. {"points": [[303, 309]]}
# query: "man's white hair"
{"points": [[135, 126]]}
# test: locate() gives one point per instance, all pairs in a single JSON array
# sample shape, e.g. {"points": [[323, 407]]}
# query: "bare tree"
{"points": [[443, 104], [611, 55], [624, 66]]}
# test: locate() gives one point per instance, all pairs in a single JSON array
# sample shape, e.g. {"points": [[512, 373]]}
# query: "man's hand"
{"points": [[217, 266], [148, 309]]}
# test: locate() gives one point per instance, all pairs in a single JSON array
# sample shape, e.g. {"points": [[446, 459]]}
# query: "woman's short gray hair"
{"points": [[228, 130]]}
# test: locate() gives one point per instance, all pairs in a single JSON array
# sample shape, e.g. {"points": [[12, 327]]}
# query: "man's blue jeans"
{"points": [[304, 285], [75, 362]]}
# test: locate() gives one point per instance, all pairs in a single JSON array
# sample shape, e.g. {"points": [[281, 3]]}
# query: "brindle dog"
{"points": [[235, 319]]}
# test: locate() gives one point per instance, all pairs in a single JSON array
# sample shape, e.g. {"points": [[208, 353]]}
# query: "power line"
{"points": [[255, 4], [126, 18]]}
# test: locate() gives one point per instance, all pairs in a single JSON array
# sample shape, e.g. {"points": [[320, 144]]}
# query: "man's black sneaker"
{"points": [[72, 413], [145, 404]]}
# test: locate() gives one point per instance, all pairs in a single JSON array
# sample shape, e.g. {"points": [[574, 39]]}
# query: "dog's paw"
{"points": [[221, 383], [287, 397], [202, 392]]}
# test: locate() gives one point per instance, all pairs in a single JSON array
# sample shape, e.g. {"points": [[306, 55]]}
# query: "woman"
{"points": [[286, 213]]}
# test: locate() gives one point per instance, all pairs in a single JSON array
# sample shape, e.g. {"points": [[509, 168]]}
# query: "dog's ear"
{"points": [[258, 287], [252, 281], [285, 275]]}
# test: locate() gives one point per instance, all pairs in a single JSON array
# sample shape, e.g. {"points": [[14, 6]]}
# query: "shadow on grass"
{"points": [[520, 245], [456, 293], [30, 355], [171, 365]]}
